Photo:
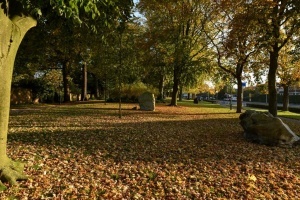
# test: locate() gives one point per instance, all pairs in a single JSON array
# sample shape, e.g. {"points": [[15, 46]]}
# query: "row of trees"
{"points": [[228, 39], [177, 44], [73, 52]]}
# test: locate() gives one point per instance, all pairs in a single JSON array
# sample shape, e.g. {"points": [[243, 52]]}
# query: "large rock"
{"points": [[147, 101], [266, 129]]}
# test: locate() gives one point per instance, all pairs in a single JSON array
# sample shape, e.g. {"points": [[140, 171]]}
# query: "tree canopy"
{"points": [[18, 17]]}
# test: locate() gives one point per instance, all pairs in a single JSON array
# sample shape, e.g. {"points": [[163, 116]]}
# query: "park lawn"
{"points": [[280, 113], [85, 151]]}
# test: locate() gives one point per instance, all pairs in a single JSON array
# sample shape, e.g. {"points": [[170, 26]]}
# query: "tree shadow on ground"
{"points": [[198, 154], [166, 141]]}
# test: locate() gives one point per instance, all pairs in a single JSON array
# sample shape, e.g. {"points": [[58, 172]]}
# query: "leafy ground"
{"points": [[84, 151]]}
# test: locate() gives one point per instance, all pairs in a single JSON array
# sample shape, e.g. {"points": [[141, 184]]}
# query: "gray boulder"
{"points": [[147, 101], [264, 128]]}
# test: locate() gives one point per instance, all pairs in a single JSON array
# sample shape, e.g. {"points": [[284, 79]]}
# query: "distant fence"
{"points": [[295, 99], [227, 103]]}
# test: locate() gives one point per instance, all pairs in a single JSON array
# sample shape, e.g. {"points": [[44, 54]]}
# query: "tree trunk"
{"points": [[272, 81], [161, 89], [12, 32], [84, 83], [96, 87], [66, 76], [105, 88], [175, 88], [285, 98], [239, 95], [180, 93], [274, 53], [239, 100]]}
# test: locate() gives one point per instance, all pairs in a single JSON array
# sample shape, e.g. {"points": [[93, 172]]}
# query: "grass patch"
{"points": [[286, 114]]}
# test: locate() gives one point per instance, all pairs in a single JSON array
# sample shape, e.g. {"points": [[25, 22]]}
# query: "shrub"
{"points": [[131, 92]]}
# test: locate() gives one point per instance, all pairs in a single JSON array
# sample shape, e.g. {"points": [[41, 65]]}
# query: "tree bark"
{"points": [[274, 53], [66, 75], [285, 102], [272, 82], [175, 88], [239, 95], [84, 83], [180, 93], [12, 32], [239, 71], [96, 86], [161, 89]]}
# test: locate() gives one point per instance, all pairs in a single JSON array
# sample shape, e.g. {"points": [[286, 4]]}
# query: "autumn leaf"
{"points": [[84, 151]]}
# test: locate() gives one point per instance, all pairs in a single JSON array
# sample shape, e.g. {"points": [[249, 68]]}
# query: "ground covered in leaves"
{"points": [[85, 151]]}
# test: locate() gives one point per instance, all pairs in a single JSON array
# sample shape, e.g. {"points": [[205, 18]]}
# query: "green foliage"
{"points": [[137, 89], [175, 47], [63, 42], [2, 187], [47, 85], [131, 92]]}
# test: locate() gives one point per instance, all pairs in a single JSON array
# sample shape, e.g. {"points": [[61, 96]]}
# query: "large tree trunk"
{"points": [[239, 95], [180, 93], [274, 53], [175, 88], [285, 98], [272, 81], [84, 83], [12, 32], [96, 86], [66, 84], [161, 89], [239, 71]]}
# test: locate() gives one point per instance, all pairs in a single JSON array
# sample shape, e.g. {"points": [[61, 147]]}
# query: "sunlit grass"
{"points": [[286, 114], [218, 108]]}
